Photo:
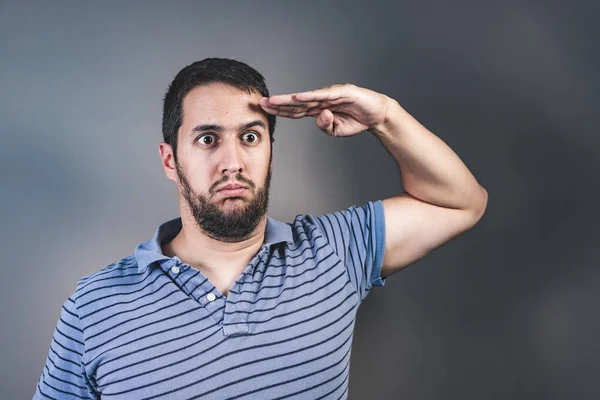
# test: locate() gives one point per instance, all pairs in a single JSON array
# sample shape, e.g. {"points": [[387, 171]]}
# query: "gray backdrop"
{"points": [[509, 310]]}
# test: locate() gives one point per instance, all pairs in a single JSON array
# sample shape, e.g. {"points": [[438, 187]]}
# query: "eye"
{"points": [[250, 137], [207, 140]]}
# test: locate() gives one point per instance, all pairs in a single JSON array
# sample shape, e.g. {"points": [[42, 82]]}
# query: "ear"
{"points": [[168, 161]]}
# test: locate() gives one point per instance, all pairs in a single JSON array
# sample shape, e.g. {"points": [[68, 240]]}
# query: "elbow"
{"points": [[480, 205]]}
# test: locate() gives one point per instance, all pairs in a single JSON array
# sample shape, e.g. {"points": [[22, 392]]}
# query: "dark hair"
{"points": [[209, 70]]}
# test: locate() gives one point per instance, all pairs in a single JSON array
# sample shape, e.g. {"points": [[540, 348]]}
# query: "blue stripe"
{"points": [[136, 330]]}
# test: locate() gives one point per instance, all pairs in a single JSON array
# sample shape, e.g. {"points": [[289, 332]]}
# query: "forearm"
{"points": [[430, 170]]}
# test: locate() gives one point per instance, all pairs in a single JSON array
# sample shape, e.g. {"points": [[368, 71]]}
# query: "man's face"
{"points": [[223, 163]]}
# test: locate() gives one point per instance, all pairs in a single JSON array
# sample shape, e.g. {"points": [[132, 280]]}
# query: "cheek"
{"points": [[259, 164], [197, 175]]}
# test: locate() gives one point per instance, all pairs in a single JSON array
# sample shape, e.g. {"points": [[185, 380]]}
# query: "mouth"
{"points": [[233, 190]]}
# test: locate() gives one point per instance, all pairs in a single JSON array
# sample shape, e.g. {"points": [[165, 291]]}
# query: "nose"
{"points": [[231, 159]]}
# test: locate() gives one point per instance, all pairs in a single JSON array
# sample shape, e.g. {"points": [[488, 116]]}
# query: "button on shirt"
{"points": [[152, 327]]}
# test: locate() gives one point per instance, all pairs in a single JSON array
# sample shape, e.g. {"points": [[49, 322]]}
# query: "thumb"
{"points": [[325, 121]]}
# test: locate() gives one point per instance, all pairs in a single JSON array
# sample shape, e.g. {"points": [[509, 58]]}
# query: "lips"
{"points": [[233, 186], [232, 190]]}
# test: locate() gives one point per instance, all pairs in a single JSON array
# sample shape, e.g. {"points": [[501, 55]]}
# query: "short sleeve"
{"points": [[357, 235], [64, 375]]}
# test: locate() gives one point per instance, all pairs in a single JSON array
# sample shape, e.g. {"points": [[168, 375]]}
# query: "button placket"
{"points": [[236, 319], [212, 303], [243, 308], [216, 307]]}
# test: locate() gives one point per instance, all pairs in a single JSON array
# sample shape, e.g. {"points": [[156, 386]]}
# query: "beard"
{"points": [[235, 225]]}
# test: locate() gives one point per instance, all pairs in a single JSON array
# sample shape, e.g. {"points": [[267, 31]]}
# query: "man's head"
{"points": [[217, 137]]}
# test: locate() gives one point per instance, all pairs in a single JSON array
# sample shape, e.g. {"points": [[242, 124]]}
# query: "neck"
{"points": [[194, 247]]}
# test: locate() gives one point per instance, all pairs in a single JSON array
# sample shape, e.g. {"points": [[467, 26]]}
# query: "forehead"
{"points": [[221, 104]]}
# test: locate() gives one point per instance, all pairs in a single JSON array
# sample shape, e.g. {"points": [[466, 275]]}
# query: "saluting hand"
{"points": [[340, 110]]}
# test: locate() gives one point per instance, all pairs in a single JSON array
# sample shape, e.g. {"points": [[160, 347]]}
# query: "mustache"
{"points": [[238, 177]]}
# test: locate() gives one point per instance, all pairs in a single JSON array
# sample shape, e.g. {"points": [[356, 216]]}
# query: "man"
{"points": [[226, 302]]}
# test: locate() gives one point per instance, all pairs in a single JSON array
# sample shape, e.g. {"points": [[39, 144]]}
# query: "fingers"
{"points": [[327, 93], [288, 107], [324, 118], [335, 94], [294, 113], [283, 113], [286, 100], [325, 121], [312, 103], [298, 111]]}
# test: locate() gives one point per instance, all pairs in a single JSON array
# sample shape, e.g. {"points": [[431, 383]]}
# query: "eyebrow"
{"points": [[219, 128]]}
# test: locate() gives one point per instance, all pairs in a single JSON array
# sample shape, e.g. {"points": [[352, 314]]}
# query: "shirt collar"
{"points": [[150, 251]]}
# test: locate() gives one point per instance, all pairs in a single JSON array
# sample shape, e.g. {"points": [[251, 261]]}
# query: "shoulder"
{"points": [[341, 221], [118, 273], [306, 227]]}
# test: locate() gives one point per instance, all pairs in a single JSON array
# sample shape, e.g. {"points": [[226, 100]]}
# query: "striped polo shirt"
{"points": [[152, 327]]}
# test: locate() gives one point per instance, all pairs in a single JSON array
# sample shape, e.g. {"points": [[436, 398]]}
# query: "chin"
{"points": [[233, 204]]}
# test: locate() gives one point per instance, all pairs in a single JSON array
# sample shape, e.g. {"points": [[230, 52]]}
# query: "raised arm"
{"points": [[441, 198]]}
